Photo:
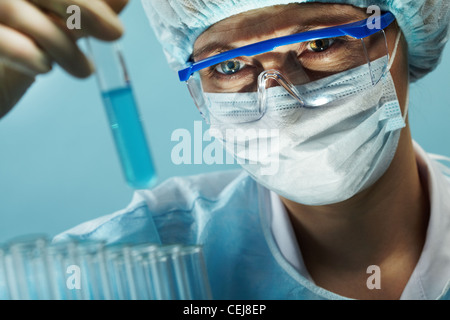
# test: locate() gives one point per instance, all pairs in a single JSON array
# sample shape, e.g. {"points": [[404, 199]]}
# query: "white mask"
{"points": [[324, 155]]}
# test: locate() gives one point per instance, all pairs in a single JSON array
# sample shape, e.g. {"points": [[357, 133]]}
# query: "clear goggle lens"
{"points": [[289, 67]]}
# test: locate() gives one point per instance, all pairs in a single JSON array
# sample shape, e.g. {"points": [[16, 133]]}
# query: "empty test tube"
{"points": [[123, 114], [4, 287], [148, 279], [63, 261], [121, 273], [27, 269], [94, 274], [195, 273]]}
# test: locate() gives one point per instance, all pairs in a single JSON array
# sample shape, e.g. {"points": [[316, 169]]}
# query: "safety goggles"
{"points": [[299, 59]]}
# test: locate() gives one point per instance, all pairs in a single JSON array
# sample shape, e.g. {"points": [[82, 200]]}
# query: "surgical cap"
{"points": [[178, 23]]}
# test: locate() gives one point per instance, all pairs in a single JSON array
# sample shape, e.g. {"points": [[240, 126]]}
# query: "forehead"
{"points": [[276, 21]]}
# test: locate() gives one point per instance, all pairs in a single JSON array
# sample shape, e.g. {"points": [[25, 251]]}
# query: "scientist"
{"points": [[356, 208]]}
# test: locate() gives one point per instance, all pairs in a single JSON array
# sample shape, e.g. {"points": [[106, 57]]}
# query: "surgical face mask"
{"points": [[317, 155]]}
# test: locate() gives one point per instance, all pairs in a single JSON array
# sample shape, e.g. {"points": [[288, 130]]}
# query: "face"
{"points": [[315, 59]]}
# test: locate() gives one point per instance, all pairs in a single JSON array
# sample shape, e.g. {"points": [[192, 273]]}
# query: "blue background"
{"points": [[58, 165]]}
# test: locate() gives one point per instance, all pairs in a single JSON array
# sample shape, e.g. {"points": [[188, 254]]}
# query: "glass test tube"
{"points": [[123, 114], [27, 269], [121, 273], [170, 283], [63, 258], [94, 275], [194, 268], [79, 271], [4, 286], [145, 266]]}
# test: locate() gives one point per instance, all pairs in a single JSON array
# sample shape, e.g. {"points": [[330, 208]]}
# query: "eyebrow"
{"points": [[217, 47], [212, 47]]}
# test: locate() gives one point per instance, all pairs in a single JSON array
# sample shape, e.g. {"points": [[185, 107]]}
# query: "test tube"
{"points": [[58, 264], [94, 275], [121, 272], [64, 263], [154, 269], [167, 278], [27, 269], [123, 114], [152, 283], [195, 273], [4, 287]]}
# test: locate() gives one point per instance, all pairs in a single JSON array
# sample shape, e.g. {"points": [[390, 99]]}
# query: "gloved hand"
{"points": [[34, 35]]}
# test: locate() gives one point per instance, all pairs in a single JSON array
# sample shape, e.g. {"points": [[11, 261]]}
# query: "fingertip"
{"points": [[117, 5], [45, 64], [118, 32], [87, 71], [113, 33]]}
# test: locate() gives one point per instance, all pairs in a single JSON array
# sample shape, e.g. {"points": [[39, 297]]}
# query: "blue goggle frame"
{"points": [[357, 30]]}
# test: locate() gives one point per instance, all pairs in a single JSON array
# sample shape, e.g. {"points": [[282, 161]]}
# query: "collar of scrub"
{"points": [[431, 276]]}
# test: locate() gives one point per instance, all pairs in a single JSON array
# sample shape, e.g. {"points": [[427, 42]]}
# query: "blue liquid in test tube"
{"points": [[129, 137], [123, 114]]}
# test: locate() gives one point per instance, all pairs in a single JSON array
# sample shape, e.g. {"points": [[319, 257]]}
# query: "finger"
{"points": [[98, 17], [21, 53], [76, 34], [13, 87], [117, 5], [33, 23]]}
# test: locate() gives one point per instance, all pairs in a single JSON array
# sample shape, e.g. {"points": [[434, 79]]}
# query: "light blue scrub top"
{"points": [[229, 214], [225, 212]]}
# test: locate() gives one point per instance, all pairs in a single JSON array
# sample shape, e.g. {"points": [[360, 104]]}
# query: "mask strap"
{"points": [[406, 101], [394, 53], [391, 62]]}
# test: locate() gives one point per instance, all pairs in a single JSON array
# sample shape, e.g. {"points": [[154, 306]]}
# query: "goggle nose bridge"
{"points": [[277, 76]]}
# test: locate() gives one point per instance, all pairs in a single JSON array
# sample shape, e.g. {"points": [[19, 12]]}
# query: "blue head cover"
{"points": [[178, 23]]}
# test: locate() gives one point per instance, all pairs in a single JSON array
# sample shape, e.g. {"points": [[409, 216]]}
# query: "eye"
{"points": [[320, 45], [230, 67]]}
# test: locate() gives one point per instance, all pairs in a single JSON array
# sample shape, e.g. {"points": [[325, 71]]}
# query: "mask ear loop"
{"points": [[394, 52], [406, 101], [391, 62]]}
